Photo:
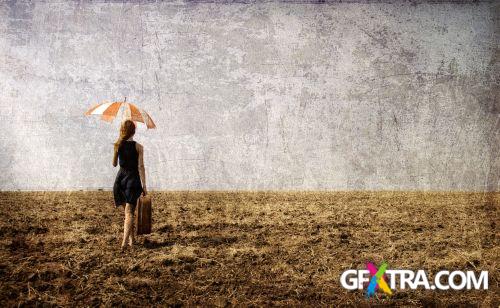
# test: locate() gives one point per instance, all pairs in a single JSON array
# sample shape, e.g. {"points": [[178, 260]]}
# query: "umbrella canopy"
{"points": [[108, 112]]}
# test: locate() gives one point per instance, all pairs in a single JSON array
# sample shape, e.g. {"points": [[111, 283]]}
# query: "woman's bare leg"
{"points": [[131, 237], [128, 224]]}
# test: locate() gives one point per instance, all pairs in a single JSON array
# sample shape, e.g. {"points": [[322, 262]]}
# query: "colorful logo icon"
{"points": [[377, 279]]}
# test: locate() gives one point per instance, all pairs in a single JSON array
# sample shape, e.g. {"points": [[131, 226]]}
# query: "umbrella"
{"points": [[108, 112]]}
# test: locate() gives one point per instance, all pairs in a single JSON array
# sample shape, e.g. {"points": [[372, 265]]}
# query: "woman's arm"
{"points": [[142, 170], [115, 157]]}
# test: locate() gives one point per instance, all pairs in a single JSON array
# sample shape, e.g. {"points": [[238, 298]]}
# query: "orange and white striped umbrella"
{"points": [[108, 112]]}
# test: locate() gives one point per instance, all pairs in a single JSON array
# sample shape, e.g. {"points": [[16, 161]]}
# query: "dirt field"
{"points": [[255, 248]]}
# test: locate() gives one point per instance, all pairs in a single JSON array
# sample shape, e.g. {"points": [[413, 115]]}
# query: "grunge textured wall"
{"points": [[359, 95]]}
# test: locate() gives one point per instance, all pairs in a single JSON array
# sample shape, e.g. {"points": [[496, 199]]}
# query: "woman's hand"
{"points": [[144, 191]]}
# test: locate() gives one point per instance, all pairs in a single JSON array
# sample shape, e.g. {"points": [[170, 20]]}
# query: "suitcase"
{"points": [[143, 216]]}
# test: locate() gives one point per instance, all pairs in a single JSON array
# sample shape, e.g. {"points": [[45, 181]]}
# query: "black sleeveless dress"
{"points": [[127, 187]]}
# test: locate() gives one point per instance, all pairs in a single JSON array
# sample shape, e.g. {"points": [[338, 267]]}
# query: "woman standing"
{"points": [[127, 187]]}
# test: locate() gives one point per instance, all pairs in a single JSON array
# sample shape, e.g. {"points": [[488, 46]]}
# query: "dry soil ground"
{"points": [[245, 248]]}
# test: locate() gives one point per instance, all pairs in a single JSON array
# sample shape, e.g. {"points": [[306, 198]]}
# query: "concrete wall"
{"points": [[253, 96]]}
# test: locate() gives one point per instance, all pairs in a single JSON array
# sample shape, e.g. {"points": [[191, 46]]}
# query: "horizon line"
{"points": [[261, 190]]}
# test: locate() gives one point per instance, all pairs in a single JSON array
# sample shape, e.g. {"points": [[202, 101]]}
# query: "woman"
{"points": [[127, 188]]}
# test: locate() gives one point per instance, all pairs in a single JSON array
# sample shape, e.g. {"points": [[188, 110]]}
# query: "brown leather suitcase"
{"points": [[143, 219]]}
